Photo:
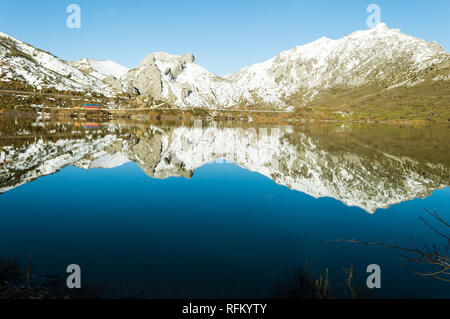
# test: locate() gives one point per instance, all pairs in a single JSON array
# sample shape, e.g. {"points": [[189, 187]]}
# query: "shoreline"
{"points": [[220, 115]]}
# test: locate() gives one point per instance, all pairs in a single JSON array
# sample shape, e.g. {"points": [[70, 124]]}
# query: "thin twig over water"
{"points": [[437, 260]]}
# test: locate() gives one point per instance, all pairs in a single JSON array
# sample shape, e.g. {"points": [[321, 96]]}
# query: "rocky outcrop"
{"points": [[144, 81], [147, 79]]}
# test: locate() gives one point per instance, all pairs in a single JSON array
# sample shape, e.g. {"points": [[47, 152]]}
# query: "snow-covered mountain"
{"points": [[23, 63], [380, 56], [100, 69], [318, 164]]}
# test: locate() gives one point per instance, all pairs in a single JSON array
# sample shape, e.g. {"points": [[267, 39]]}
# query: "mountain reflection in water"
{"points": [[367, 166]]}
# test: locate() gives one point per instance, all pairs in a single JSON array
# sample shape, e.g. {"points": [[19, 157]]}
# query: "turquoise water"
{"points": [[225, 232]]}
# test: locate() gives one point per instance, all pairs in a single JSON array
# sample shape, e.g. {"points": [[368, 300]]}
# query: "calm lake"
{"points": [[172, 210]]}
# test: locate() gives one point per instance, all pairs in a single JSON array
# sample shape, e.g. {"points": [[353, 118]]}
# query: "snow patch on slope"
{"points": [[101, 69]]}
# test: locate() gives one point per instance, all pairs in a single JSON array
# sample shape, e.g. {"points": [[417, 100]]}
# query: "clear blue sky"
{"points": [[223, 35]]}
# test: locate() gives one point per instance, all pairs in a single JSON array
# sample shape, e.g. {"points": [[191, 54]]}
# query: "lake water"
{"points": [[204, 209]]}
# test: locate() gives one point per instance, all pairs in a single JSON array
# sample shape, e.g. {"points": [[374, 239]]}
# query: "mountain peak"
{"points": [[167, 58], [382, 26], [322, 40], [380, 30]]}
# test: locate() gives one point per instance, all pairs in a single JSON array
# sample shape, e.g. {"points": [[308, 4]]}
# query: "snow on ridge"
{"points": [[101, 69], [24, 62], [326, 62]]}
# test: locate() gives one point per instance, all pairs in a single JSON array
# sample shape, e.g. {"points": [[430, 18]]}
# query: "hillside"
{"points": [[378, 74], [23, 63]]}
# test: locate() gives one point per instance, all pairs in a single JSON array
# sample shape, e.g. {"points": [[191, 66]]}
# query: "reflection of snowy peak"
{"points": [[109, 161], [361, 176], [369, 180], [41, 158]]}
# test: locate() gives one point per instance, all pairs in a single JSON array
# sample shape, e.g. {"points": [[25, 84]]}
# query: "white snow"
{"points": [[101, 69], [41, 69], [321, 63], [109, 161]]}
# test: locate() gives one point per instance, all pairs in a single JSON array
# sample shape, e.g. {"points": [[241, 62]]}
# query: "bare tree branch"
{"points": [[437, 261]]}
